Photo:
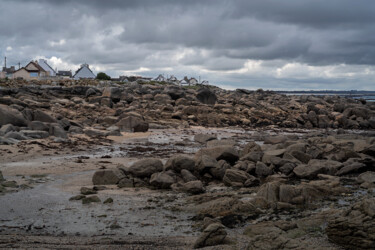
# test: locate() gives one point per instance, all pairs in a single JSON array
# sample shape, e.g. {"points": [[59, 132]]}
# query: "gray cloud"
{"points": [[212, 38]]}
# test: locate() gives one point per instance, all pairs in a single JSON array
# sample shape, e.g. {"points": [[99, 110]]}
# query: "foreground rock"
{"points": [[107, 177], [213, 235], [355, 227]]}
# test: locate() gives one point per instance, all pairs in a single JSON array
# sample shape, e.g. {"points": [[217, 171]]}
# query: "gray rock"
{"points": [[11, 116], [205, 163], [35, 134], [262, 170], [126, 183], [16, 135], [213, 235], [316, 167], [162, 180], [146, 167], [107, 177], [187, 176], [57, 131], [254, 156], [37, 125], [133, 124], [229, 154], [354, 227], [7, 128], [350, 166], [275, 139], [203, 138], [193, 187], [217, 143], [235, 177], [251, 147], [41, 116], [180, 162], [206, 96]]}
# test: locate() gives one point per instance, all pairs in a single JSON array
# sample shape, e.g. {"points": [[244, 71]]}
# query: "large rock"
{"points": [[193, 187], [180, 162], [132, 124], [229, 154], [203, 138], [262, 170], [107, 177], [42, 116], [205, 163], [162, 180], [35, 134], [354, 228], [213, 235], [206, 96], [367, 179], [11, 116], [16, 135], [235, 177], [146, 167], [316, 167], [113, 93]]}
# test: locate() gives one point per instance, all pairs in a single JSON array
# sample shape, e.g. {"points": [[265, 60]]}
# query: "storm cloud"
{"points": [[270, 44]]}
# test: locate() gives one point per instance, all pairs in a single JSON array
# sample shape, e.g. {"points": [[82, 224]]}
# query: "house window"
{"points": [[33, 74]]}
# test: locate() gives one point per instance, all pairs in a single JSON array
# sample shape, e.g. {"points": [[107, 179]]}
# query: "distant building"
{"points": [[43, 63], [7, 72], [173, 79], [160, 78], [193, 81], [84, 72], [32, 71], [64, 74]]}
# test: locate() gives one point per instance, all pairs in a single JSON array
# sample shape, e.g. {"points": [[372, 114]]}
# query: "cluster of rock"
{"points": [[107, 109], [317, 162]]}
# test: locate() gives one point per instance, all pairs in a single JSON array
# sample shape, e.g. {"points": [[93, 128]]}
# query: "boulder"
{"points": [[224, 142], [146, 167], [262, 170], [37, 125], [229, 154], [354, 227], [35, 134], [162, 180], [270, 191], [251, 147], [315, 167], [367, 179], [205, 163], [206, 96], [193, 187], [180, 162], [275, 139], [351, 166], [213, 235], [7, 128], [235, 177], [203, 138], [41, 116], [132, 124], [187, 176], [16, 135], [113, 93], [107, 177], [11, 116]]}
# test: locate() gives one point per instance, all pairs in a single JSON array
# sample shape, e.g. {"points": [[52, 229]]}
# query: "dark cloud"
{"points": [[195, 36]]}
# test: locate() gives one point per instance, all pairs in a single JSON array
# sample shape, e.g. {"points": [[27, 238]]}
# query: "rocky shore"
{"points": [[289, 172]]}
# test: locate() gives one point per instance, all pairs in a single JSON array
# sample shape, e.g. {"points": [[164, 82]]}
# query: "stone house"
{"points": [[32, 71]]}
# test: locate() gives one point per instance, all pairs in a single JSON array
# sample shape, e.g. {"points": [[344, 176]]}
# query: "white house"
{"points": [[43, 63], [84, 73]]}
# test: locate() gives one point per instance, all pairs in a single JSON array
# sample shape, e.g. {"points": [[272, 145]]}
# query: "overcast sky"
{"points": [[269, 44]]}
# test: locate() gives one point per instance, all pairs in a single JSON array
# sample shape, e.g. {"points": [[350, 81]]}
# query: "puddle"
{"points": [[46, 209]]}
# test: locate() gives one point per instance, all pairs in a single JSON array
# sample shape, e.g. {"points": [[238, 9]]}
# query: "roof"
{"points": [[83, 66], [64, 73], [46, 64], [36, 65]]}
